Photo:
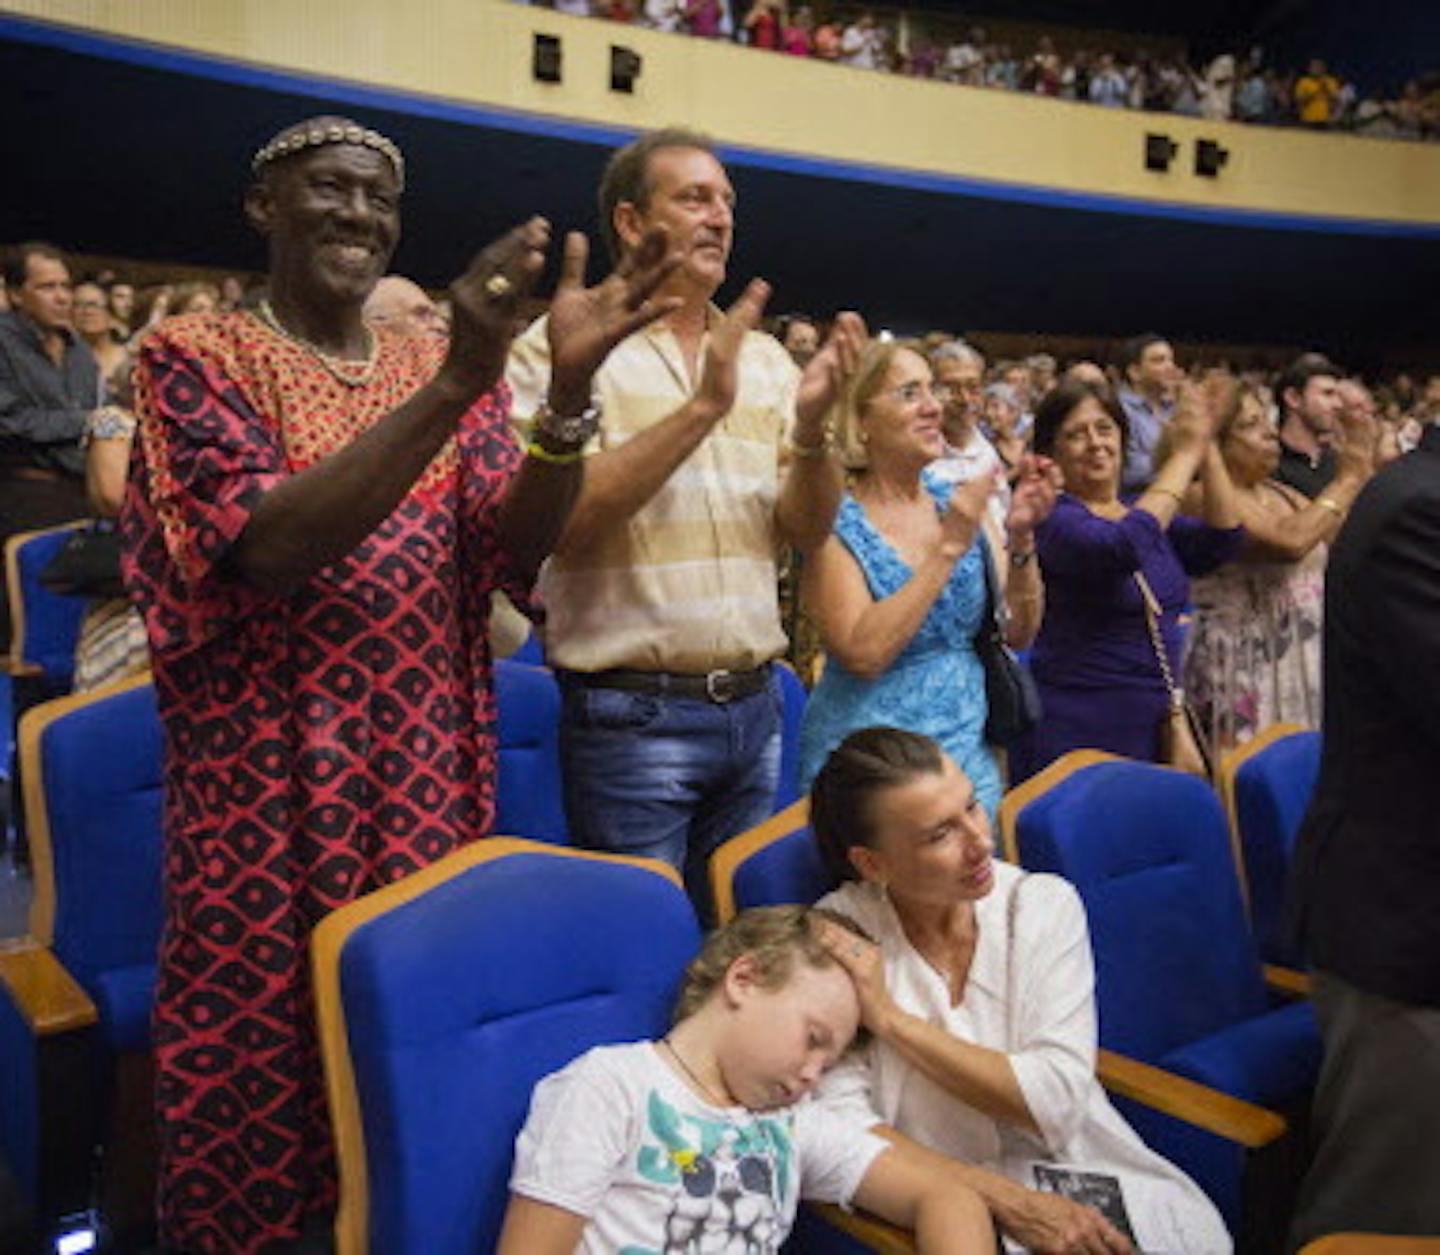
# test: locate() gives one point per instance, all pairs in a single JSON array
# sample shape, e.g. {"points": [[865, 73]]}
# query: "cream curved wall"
{"points": [[477, 53]]}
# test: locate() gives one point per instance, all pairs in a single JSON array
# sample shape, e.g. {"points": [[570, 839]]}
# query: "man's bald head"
{"points": [[404, 307]]}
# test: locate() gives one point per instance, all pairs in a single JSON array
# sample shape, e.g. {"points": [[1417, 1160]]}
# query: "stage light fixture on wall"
{"points": [[1160, 151], [1210, 157], [545, 60], [625, 66]]}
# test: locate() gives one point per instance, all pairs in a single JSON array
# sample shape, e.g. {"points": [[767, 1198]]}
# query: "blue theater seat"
{"points": [[1179, 985], [78, 990], [44, 626], [1266, 786], [529, 799], [444, 998]]}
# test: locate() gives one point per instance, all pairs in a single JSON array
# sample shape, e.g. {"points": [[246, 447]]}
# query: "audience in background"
{"points": [[1226, 88]]}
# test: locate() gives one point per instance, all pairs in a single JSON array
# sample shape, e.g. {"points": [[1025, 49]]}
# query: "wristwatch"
{"points": [[565, 433]]}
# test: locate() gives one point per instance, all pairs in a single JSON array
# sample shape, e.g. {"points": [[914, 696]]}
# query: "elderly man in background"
{"points": [[316, 516], [405, 307]]}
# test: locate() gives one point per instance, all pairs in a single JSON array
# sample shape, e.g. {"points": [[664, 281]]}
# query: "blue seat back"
{"points": [[48, 624], [531, 651], [99, 759], [511, 960], [1272, 792], [792, 711], [788, 869], [529, 799], [1148, 850]]}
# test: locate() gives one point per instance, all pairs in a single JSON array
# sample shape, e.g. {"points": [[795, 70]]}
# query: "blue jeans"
{"points": [[667, 777]]}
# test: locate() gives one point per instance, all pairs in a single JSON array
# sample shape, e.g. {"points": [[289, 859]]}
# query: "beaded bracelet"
{"points": [[535, 450]]}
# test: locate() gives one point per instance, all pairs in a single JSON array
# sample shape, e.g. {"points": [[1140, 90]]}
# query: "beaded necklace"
{"points": [[351, 374]]}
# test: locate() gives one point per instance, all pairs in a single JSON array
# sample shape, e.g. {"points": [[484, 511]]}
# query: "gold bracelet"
{"points": [[812, 451], [1169, 492], [1332, 505], [535, 450]]}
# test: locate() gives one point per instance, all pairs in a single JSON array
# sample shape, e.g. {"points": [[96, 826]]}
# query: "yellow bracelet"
{"points": [[535, 450], [1169, 492], [1332, 505]]}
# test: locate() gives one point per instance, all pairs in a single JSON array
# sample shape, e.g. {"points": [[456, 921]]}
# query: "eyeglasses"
{"points": [[910, 393], [87, 304]]}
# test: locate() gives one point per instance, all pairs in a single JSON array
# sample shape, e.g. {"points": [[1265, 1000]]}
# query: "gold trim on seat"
{"points": [[1018, 798], [1226, 773], [735, 851]]}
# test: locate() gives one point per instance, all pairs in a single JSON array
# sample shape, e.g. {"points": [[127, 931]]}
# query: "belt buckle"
{"points": [[714, 680]]}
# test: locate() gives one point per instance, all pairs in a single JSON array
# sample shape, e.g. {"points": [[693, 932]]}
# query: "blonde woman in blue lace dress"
{"points": [[898, 591]]}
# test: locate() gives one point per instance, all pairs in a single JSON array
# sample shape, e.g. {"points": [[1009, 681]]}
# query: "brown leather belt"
{"points": [[719, 686], [41, 473]]}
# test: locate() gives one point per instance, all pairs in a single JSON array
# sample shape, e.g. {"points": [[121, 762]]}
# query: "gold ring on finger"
{"points": [[498, 285]]}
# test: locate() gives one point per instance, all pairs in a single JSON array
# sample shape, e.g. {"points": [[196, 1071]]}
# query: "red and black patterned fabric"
{"points": [[318, 745]]}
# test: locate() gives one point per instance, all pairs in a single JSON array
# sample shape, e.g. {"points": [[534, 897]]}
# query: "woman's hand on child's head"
{"points": [[865, 966]]}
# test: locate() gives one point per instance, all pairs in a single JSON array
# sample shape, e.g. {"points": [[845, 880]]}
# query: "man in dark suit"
{"points": [[1367, 866]]}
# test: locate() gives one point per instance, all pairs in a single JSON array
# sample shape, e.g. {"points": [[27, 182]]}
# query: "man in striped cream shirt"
{"points": [[661, 601]]}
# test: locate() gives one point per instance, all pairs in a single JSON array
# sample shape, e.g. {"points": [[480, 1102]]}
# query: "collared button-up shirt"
{"points": [[1146, 424], [43, 407], [689, 582], [975, 458]]}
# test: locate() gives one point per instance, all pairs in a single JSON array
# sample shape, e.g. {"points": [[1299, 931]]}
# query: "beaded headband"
{"points": [[289, 142]]}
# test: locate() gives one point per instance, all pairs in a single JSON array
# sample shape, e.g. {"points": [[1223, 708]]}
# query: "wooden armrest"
{"points": [[1287, 981], [44, 992], [18, 668], [878, 1235], [1188, 1100], [1371, 1244]]}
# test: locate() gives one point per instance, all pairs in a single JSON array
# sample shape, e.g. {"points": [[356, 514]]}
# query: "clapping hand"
{"points": [[827, 371], [718, 377], [486, 302], [967, 507], [586, 323], [1036, 486]]}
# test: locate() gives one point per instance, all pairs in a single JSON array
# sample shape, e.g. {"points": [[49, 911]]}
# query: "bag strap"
{"points": [[990, 626], [1157, 642]]}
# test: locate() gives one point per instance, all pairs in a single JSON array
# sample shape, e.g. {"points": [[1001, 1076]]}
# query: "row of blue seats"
{"points": [[96, 848]]}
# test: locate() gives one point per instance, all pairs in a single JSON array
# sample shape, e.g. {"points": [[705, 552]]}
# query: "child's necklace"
{"points": [[709, 1093]]}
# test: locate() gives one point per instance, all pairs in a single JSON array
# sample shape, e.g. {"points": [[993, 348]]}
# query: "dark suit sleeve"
{"points": [[1401, 591]]}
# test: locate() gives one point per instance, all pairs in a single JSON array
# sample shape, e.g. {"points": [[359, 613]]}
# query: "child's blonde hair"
{"points": [[773, 936]]}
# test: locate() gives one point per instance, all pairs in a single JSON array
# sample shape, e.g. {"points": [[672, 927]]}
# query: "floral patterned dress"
{"points": [[318, 744], [1253, 656]]}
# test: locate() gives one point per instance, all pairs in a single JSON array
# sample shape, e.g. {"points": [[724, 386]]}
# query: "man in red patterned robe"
{"points": [[316, 517]]}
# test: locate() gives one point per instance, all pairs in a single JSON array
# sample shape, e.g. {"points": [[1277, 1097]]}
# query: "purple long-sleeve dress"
{"points": [[1093, 660]]}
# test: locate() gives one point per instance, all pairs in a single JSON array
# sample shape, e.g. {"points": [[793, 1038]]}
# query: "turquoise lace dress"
{"points": [[936, 685]]}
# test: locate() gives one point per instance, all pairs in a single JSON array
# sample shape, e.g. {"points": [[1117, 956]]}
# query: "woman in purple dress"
{"points": [[1093, 660]]}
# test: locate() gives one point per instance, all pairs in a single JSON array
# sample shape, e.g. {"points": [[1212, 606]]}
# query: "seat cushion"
{"points": [[124, 997], [1270, 1059]]}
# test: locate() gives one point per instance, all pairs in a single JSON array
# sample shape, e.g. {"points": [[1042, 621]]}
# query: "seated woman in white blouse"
{"points": [[980, 1001]]}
